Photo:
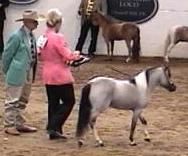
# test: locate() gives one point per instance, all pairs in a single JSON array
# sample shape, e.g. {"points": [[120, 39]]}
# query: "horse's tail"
{"points": [[84, 111], [136, 46]]}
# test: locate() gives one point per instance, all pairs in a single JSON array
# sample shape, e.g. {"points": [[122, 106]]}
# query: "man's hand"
{"points": [[80, 12]]}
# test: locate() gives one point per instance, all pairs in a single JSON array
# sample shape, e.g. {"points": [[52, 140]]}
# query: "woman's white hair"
{"points": [[54, 16]]}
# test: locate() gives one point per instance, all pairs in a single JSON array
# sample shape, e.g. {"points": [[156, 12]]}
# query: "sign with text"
{"points": [[138, 11], [22, 2]]}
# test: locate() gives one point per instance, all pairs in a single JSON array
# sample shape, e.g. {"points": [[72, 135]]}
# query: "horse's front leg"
{"points": [[136, 114], [144, 122], [129, 50], [108, 50]]}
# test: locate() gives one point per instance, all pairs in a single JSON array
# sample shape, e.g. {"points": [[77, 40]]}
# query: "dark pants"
{"points": [[86, 26], [61, 100], [1, 36]]}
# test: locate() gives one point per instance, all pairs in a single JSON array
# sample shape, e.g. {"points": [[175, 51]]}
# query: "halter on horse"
{"points": [[112, 31], [131, 94], [175, 35]]}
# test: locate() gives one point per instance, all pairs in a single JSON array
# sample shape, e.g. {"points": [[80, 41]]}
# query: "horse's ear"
{"points": [[94, 12]]}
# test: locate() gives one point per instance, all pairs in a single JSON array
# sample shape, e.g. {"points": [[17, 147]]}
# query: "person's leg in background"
{"points": [[83, 34], [1, 37], [94, 36]]}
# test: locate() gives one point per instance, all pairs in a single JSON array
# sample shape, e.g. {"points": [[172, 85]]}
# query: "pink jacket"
{"points": [[54, 56]]}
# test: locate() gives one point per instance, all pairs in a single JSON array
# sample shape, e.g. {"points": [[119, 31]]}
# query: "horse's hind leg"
{"points": [[129, 50], [144, 122], [167, 52], [112, 48], [99, 142], [170, 42], [136, 114], [108, 50]]}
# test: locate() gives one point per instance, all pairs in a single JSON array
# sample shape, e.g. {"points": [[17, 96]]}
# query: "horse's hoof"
{"points": [[147, 139], [80, 144], [127, 60], [99, 144], [133, 143]]}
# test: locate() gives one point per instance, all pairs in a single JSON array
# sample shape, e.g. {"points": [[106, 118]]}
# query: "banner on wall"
{"points": [[138, 11], [22, 2]]}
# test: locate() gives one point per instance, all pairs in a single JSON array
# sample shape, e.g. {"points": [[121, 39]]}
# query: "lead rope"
{"points": [[123, 73]]}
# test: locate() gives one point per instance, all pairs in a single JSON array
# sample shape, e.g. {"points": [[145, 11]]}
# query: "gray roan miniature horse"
{"points": [[175, 35], [111, 31], [130, 94]]}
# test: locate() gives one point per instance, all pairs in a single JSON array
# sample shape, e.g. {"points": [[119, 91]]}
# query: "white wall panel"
{"points": [[153, 33]]}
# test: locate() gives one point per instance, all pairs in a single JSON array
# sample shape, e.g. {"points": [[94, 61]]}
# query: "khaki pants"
{"points": [[16, 100]]}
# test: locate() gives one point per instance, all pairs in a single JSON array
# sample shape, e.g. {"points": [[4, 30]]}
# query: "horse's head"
{"points": [[162, 76], [95, 18], [165, 79]]}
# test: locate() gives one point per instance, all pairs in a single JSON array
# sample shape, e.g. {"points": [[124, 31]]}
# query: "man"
{"points": [[85, 9], [3, 5], [18, 59]]}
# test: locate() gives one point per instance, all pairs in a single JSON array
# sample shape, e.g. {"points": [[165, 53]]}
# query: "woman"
{"points": [[56, 74]]}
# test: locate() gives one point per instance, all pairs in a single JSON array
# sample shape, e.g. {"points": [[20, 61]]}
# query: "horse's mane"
{"points": [[107, 18], [94, 76], [107, 76], [147, 70], [103, 17], [110, 19]]}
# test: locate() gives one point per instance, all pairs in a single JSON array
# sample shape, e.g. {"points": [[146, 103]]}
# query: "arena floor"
{"points": [[167, 116]]}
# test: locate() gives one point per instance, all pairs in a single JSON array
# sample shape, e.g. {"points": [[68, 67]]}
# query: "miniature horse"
{"points": [[112, 31], [132, 94], [175, 35]]}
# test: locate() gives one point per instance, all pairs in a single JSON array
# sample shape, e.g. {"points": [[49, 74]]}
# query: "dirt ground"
{"points": [[167, 116]]}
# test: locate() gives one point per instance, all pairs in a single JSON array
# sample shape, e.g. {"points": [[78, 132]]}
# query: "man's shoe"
{"points": [[12, 131], [26, 129], [91, 55], [53, 135], [83, 54]]}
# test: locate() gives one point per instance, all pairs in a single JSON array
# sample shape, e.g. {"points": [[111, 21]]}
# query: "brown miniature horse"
{"points": [[112, 31], [176, 34]]}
